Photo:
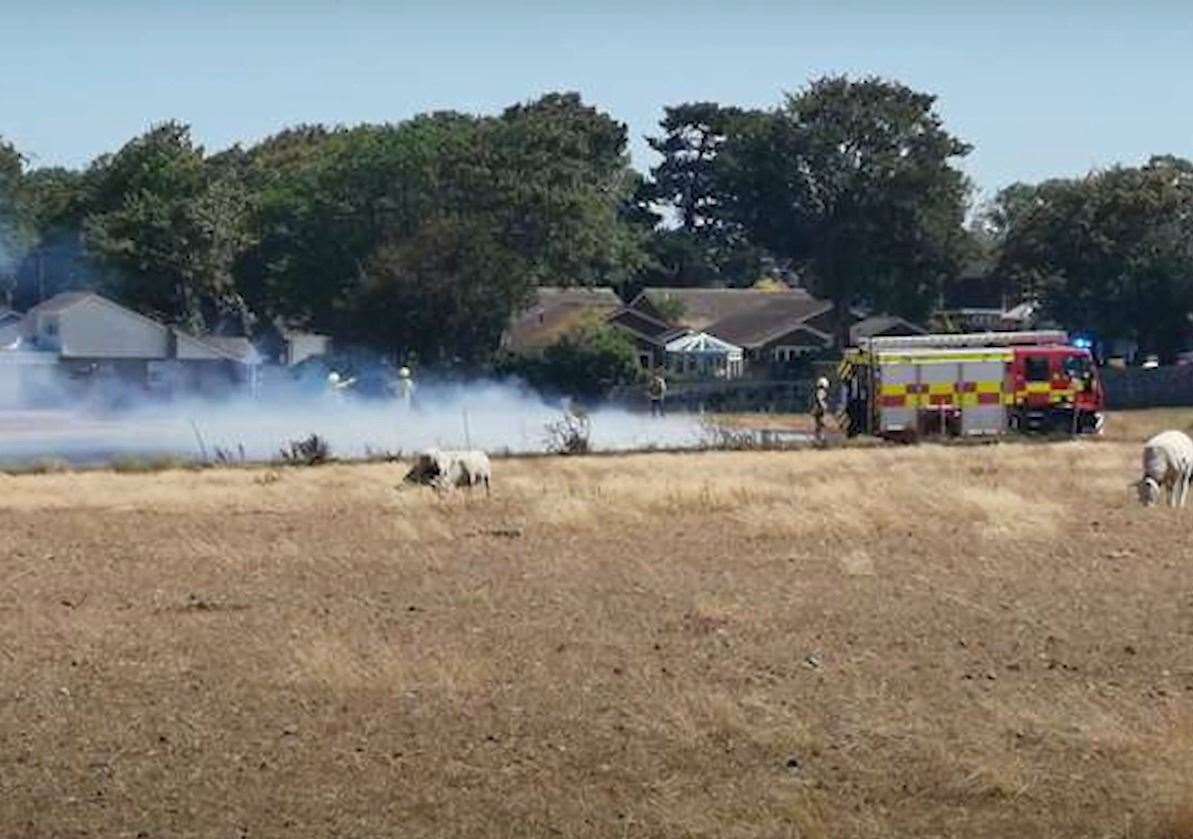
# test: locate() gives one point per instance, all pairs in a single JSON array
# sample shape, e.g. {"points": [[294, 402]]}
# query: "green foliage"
{"points": [[1112, 251], [14, 220], [421, 237], [166, 230], [706, 248], [586, 362], [854, 182], [444, 294], [391, 232], [670, 309]]}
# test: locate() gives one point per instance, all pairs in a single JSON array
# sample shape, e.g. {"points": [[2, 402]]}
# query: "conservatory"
{"points": [[700, 355]]}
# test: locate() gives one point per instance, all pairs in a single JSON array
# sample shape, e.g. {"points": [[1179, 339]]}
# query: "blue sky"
{"points": [[1040, 89]]}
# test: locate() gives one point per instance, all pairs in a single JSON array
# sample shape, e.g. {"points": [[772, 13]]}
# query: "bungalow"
{"points": [[79, 338], [712, 332], [286, 345], [649, 334], [774, 329]]}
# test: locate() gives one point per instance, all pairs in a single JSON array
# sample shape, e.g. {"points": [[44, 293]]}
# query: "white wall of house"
{"points": [[303, 345]]}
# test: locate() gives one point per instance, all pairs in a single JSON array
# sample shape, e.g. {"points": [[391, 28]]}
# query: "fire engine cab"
{"points": [[970, 385]]}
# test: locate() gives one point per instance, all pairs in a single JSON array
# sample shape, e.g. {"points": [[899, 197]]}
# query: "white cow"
{"points": [[1167, 464], [445, 469]]}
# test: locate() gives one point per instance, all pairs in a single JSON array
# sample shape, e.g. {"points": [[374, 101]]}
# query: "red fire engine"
{"points": [[972, 384]]}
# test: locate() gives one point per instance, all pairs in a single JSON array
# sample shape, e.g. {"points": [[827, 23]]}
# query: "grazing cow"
{"points": [[446, 469], [1167, 464]]}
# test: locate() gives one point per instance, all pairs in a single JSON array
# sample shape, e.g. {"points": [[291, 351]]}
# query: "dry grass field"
{"points": [[903, 641]]}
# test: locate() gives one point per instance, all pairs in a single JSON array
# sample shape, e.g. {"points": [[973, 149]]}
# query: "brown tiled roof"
{"points": [[554, 312], [646, 326], [701, 307], [768, 319]]}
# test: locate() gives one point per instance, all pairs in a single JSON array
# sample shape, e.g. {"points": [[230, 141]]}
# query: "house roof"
{"points": [[219, 347], [556, 311], [883, 325], [240, 349], [645, 326], [63, 300], [701, 307], [768, 319]]}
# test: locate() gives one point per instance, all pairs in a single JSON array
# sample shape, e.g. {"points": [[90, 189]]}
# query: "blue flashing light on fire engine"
{"points": [[1089, 341]]}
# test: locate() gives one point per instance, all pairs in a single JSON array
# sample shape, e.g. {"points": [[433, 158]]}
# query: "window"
{"points": [[1037, 368], [51, 328], [789, 354], [1077, 367]]}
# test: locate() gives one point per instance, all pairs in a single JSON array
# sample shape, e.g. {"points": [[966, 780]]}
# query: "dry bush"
{"points": [[309, 451]]}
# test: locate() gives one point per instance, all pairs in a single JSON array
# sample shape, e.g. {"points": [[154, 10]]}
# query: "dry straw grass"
{"points": [[893, 642]]}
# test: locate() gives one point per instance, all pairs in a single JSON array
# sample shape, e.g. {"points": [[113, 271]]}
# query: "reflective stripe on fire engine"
{"points": [[926, 395], [981, 393], [1054, 396]]}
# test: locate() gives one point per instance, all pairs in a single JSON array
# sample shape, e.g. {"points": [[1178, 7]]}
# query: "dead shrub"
{"points": [[310, 451]]}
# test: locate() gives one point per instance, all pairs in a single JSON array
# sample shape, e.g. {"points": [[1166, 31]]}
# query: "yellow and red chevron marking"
{"points": [[1049, 392], [925, 395]]}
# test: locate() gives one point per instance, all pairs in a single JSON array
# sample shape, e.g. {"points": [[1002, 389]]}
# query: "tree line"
{"points": [[420, 238]]}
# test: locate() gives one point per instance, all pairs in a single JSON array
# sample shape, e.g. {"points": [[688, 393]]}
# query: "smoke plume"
{"points": [[498, 417]]}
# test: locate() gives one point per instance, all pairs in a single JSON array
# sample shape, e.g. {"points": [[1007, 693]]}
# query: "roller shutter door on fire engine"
{"points": [[900, 383], [980, 389]]}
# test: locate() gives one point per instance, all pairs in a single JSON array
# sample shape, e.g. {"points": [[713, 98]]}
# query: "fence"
{"points": [[747, 395], [1139, 388], [727, 397]]}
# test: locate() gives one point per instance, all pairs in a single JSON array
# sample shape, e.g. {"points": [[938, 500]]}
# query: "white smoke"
{"points": [[497, 417]]}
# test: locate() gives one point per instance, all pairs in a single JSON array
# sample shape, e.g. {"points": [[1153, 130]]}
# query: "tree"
{"points": [[444, 294], [14, 221], [1112, 251], [586, 362], [166, 231], [545, 188], [704, 247], [854, 181], [560, 186]]}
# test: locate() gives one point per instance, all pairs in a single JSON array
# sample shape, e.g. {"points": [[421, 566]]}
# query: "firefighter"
{"points": [[819, 407], [656, 391], [338, 386], [406, 388]]}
